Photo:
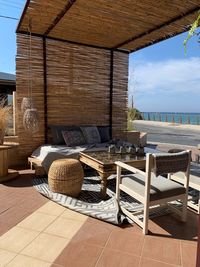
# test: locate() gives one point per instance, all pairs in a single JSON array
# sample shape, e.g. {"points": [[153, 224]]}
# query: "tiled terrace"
{"points": [[38, 232]]}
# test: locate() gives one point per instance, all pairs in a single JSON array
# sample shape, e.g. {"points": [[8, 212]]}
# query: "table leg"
{"points": [[5, 174], [104, 177], [3, 162]]}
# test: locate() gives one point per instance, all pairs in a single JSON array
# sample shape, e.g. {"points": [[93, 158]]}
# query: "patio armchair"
{"points": [[151, 188]]}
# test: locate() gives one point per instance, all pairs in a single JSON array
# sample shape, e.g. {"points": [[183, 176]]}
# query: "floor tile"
{"points": [[70, 214], [17, 238], [52, 208], [152, 263], [79, 254], [111, 258], [162, 249], [131, 229], [6, 257], [126, 242], [63, 227], [170, 226], [24, 261], [37, 221], [94, 234], [189, 254], [100, 223], [46, 247]]}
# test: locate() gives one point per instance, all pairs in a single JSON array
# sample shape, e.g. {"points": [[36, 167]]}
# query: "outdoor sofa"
{"points": [[68, 141]]}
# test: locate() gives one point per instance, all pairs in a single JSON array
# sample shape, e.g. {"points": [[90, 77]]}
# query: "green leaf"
{"points": [[192, 32]]}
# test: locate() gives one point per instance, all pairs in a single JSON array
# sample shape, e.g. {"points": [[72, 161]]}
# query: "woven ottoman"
{"points": [[66, 177]]}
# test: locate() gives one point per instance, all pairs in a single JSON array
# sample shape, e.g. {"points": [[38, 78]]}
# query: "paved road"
{"points": [[169, 133]]}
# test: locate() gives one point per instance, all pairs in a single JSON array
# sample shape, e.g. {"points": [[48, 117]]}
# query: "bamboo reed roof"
{"points": [[124, 24]]}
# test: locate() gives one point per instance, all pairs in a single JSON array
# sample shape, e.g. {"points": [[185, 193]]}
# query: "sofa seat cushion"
{"points": [[161, 187]]}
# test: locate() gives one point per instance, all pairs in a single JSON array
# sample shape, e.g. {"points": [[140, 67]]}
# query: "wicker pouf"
{"points": [[66, 177]]}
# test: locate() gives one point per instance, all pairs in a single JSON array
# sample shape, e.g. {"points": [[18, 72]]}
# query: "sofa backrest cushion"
{"points": [[91, 134], [73, 137], [57, 136], [104, 132]]}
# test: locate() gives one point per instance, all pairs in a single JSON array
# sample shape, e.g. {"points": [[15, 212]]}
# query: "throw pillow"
{"points": [[104, 132], [73, 138], [56, 131], [91, 134]]}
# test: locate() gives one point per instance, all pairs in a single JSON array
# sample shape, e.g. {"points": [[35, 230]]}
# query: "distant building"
{"points": [[7, 85]]}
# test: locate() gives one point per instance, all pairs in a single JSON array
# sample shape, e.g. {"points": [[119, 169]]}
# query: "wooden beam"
{"points": [[157, 27], [23, 14], [159, 40], [45, 91], [111, 91], [75, 43], [60, 16]]}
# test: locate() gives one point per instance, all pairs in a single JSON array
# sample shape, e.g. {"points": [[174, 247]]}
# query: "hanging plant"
{"points": [[193, 32]]}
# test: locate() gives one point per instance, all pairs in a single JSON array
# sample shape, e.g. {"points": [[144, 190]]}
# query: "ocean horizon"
{"points": [[174, 117]]}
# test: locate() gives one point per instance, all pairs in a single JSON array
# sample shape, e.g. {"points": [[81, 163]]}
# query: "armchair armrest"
{"points": [[129, 168]]}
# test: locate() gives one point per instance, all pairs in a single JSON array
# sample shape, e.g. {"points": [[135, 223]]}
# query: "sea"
{"points": [[176, 117]]}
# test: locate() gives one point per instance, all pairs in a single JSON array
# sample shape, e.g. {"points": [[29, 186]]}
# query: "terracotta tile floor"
{"points": [[37, 232]]}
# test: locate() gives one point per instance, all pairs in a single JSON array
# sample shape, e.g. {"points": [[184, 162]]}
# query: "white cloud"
{"points": [[173, 77]]}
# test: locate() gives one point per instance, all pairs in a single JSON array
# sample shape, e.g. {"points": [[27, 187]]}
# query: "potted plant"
{"points": [[5, 111]]}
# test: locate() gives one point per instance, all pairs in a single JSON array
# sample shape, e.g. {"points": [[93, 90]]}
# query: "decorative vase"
{"points": [[2, 134]]}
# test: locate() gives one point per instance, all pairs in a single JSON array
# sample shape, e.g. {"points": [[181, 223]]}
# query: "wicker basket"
{"points": [[66, 177]]}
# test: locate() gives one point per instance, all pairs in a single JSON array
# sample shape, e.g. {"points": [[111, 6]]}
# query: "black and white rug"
{"points": [[90, 203]]}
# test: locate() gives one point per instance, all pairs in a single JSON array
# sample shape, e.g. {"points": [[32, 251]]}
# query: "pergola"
{"points": [[79, 57]]}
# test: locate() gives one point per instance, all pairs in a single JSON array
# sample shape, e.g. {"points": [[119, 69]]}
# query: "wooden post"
{"points": [[188, 119], [14, 113], [111, 90], [45, 90], [173, 118]]}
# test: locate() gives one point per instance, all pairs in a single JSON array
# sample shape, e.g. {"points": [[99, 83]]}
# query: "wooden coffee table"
{"points": [[104, 163]]}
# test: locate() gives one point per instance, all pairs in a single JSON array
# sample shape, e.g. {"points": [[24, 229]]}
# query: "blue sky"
{"points": [[11, 8], [161, 77]]}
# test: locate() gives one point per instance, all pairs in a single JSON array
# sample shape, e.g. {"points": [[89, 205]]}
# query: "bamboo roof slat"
{"points": [[128, 24]]}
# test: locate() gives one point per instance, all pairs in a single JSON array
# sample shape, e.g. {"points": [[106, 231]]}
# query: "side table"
{"points": [[5, 173]]}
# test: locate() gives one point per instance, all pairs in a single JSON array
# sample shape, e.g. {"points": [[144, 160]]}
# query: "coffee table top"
{"points": [[104, 157]]}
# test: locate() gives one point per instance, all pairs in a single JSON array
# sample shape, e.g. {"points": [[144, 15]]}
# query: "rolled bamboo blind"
{"points": [[78, 87]]}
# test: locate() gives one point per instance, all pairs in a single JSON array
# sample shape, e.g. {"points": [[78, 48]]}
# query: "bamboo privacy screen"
{"points": [[78, 87], [27, 143]]}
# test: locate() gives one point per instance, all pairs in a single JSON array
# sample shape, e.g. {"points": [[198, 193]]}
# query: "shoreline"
{"points": [[169, 133], [167, 124]]}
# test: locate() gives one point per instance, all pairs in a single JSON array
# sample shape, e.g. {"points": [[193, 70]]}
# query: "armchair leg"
{"points": [[146, 220], [118, 180], [184, 209]]}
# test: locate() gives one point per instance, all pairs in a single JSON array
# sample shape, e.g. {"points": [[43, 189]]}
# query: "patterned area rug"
{"points": [[90, 202]]}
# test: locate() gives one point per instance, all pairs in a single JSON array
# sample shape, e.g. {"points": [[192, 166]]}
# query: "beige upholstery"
{"points": [[151, 190], [160, 188]]}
